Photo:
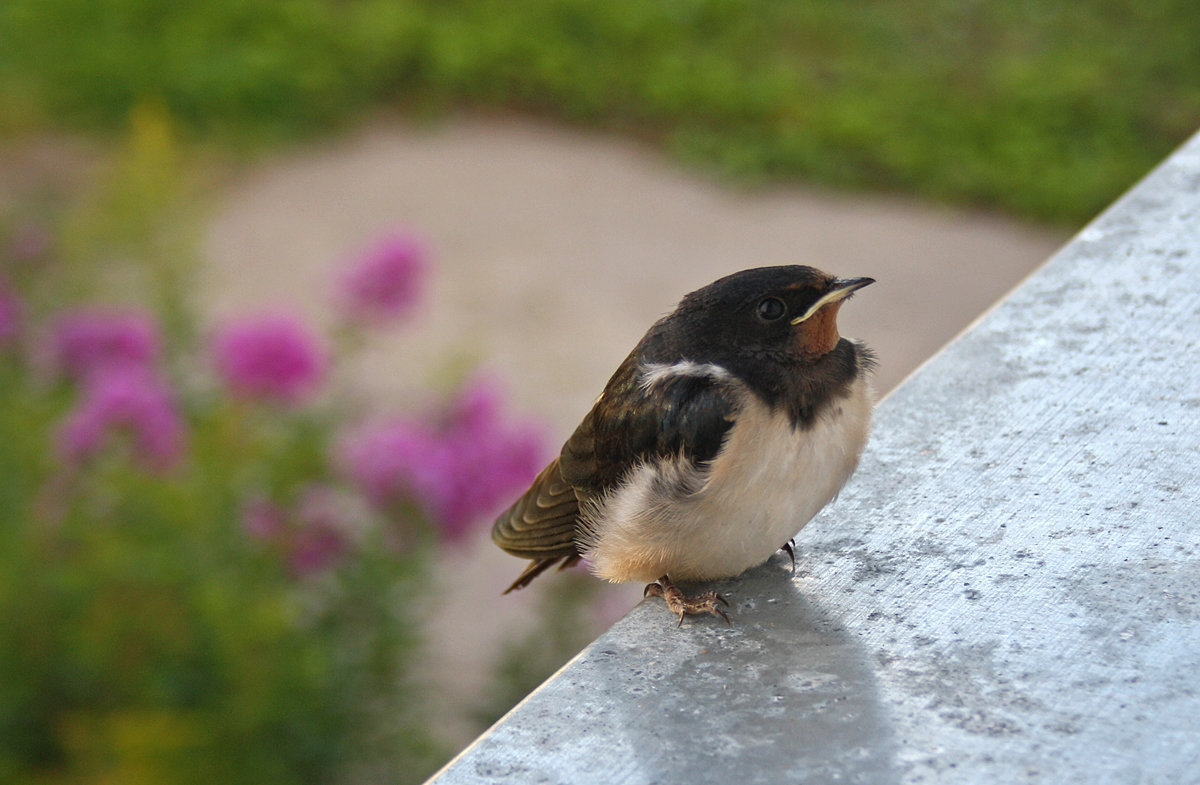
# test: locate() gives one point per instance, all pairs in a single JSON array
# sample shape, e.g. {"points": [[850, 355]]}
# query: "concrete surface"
{"points": [[554, 251]]}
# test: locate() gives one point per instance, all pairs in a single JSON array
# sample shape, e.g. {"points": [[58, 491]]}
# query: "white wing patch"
{"points": [[654, 374]]}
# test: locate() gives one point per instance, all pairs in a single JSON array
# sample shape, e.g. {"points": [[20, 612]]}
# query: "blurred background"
{"points": [[296, 296]]}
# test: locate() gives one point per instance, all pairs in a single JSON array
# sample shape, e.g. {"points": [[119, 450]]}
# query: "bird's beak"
{"points": [[840, 290]]}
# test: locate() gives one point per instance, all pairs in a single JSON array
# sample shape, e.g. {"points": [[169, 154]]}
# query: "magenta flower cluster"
{"points": [[272, 356], [386, 282], [113, 358], [125, 399], [276, 357], [457, 464], [460, 465], [88, 341]]}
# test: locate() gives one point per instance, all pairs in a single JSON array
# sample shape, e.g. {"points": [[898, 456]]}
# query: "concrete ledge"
{"points": [[1007, 591]]}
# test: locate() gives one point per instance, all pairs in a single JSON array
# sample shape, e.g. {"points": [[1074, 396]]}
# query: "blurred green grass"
{"points": [[1043, 109]]}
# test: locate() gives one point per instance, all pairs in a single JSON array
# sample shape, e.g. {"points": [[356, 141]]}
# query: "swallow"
{"points": [[735, 419]]}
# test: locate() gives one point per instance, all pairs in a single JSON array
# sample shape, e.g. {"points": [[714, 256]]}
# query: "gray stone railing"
{"points": [[1007, 591]]}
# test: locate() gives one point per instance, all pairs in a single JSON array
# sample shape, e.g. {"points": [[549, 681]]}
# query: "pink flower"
{"points": [[10, 315], [130, 400], [384, 460], [387, 281], [88, 341], [460, 469], [269, 356]]}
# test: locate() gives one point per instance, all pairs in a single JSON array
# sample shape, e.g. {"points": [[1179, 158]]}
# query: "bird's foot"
{"points": [[682, 604], [790, 547]]}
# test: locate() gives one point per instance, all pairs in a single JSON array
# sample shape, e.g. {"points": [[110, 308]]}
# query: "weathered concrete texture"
{"points": [[1008, 591]]}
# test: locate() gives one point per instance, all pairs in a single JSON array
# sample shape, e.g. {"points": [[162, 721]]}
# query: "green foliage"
{"points": [[149, 635], [147, 638], [1046, 109]]}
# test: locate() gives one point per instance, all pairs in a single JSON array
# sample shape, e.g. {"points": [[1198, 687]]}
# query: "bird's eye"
{"points": [[771, 309]]}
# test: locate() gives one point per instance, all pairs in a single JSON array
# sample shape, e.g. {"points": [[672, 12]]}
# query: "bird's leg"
{"points": [[790, 547], [682, 604]]}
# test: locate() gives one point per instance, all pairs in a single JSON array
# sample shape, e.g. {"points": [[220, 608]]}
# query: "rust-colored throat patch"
{"points": [[817, 335]]}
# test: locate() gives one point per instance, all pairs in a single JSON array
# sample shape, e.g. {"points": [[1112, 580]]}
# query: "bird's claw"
{"points": [[680, 603], [790, 547]]}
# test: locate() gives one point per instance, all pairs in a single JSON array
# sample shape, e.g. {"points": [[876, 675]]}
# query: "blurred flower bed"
{"points": [[208, 567]]}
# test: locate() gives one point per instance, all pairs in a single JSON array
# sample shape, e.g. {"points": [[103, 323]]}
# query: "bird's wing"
{"points": [[682, 415], [541, 524]]}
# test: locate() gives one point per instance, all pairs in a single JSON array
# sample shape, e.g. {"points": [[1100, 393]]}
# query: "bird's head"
{"points": [[788, 314]]}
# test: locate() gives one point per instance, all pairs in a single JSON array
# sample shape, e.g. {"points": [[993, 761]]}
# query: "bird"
{"points": [[735, 419]]}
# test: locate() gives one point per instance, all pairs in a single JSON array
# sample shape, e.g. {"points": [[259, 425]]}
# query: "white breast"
{"points": [[767, 483]]}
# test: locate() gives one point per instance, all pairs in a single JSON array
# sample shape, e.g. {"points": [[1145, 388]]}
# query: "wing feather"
{"points": [[680, 415], [541, 524]]}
